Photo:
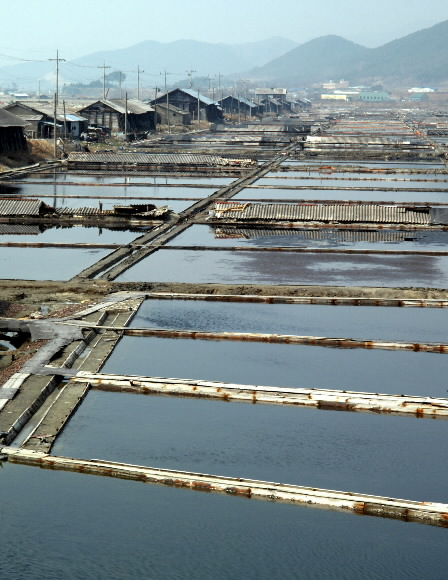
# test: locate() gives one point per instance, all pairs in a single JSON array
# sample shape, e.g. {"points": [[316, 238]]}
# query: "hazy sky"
{"points": [[34, 29]]}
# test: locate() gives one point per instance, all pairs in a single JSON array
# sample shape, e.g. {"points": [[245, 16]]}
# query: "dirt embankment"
{"points": [[21, 298]]}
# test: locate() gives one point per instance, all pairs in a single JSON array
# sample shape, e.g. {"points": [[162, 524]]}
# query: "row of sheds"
{"points": [[236, 212], [40, 118], [324, 213], [176, 107]]}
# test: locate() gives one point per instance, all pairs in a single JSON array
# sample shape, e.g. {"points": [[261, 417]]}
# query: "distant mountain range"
{"points": [[153, 58], [420, 58]]}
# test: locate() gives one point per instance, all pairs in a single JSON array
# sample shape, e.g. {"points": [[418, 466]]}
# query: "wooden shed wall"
{"points": [[12, 139]]}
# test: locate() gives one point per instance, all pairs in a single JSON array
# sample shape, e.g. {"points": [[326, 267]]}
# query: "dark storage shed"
{"points": [[192, 101], [239, 105], [111, 115], [11, 133]]}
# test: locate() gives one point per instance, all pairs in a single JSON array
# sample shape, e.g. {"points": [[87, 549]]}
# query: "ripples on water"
{"points": [[63, 525]]}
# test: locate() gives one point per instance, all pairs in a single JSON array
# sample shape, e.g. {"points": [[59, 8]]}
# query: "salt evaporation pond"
{"points": [[343, 181], [25, 189], [371, 178], [71, 235], [125, 178], [361, 322], [374, 165], [98, 528], [46, 263], [283, 365], [297, 195], [242, 267], [372, 454], [231, 236]]}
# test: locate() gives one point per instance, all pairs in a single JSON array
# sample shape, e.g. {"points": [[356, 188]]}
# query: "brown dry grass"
{"points": [[38, 150], [41, 148]]}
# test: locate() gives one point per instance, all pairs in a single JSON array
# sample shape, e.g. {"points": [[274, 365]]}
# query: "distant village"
{"points": [[40, 116]]}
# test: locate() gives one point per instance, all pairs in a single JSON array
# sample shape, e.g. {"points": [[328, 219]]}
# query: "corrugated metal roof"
{"points": [[37, 113], [312, 139], [320, 213], [314, 234], [19, 229], [240, 99], [85, 211], [195, 95], [72, 117], [144, 158], [134, 106], [15, 207]]}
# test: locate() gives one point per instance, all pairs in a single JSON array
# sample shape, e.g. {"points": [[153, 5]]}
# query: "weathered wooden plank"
{"points": [[327, 399], [276, 339], [422, 512]]}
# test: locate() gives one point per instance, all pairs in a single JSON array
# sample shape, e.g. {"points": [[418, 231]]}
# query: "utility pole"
{"points": [[58, 60], [56, 97], [219, 86], [55, 145], [104, 67], [190, 73], [138, 81], [167, 102], [121, 94], [65, 121], [126, 117], [209, 78], [199, 110], [155, 107]]}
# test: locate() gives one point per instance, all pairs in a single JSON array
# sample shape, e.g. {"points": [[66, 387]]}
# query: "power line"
{"points": [[21, 59]]}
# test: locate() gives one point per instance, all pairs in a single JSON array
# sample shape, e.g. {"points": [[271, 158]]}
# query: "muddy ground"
{"points": [[22, 298]]}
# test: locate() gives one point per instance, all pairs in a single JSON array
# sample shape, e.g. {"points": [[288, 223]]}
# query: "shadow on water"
{"points": [[8, 190]]}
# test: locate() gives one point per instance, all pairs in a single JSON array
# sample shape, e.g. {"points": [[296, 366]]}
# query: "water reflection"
{"points": [[33, 263], [19, 233], [99, 528], [279, 365], [228, 236], [366, 322], [288, 268], [325, 449], [298, 195]]}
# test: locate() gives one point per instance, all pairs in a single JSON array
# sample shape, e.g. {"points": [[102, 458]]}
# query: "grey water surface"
{"points": [[66, 525], [361, 322], [283, 365], [227, 267], [367, 454]]}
